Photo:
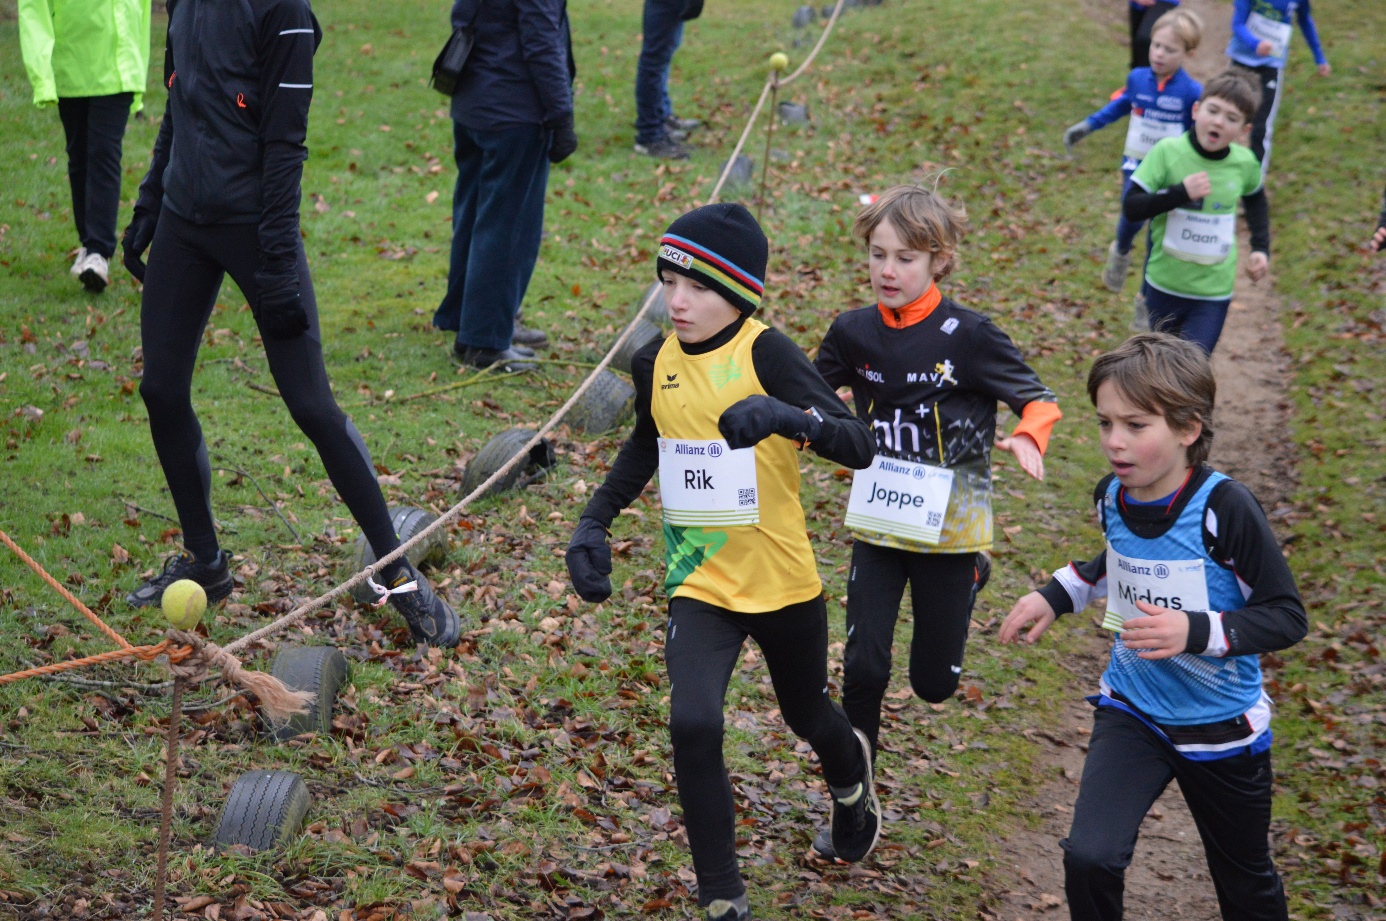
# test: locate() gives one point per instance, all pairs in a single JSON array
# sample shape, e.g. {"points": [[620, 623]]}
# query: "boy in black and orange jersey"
{"points": [[722, 408], [926, 374]]}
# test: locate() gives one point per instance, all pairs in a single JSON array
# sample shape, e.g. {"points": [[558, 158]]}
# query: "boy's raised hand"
{"points": [[1256, 265], [1162, 633], [1026, 450], [1198, 186], [750, 421], [1379, 239], [1031, 609]]}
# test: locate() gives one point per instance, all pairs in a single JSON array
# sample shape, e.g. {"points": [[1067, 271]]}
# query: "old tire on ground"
{"points": [[494, 455], [407, 521], [659, 311], [263, 810], [320, 670], [643, 334], [603, 406], [743, 171]]}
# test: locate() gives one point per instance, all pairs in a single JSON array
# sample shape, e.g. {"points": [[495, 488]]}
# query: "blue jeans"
{"points": [[662, 28], [497, 225], [1190, 318]]}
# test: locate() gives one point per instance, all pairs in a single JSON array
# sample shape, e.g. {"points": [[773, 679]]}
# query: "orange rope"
{"points": [[143, 653], [33, 564]]}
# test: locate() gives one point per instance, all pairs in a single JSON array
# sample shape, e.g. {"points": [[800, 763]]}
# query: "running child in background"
{"points": [[735, 403], [1159, 100], [926, 374], [1188, 187], [1143, 15], [1260, 45], [1196, 589]]}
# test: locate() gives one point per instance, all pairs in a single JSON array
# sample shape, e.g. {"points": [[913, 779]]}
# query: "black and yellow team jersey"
{"points": [[681, 391]]}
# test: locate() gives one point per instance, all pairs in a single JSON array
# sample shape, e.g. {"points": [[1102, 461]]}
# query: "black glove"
{"points": [[752, 420], [565, 139], [279, 311], [136, 240], [589, 561], [1075, 133]]}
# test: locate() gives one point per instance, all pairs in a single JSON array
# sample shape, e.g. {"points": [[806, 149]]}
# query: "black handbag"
{"points": [[447, 67]]}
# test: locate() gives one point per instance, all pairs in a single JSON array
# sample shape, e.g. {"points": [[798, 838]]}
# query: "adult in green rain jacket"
{"points": [[91, 58]]}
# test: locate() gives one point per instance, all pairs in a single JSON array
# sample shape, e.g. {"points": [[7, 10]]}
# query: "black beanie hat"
{"points": [[721, 246]]}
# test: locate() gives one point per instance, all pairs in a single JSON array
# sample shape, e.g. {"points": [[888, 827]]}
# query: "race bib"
{"points": [[1176, 584], [1205, 239], [706, 484], [1144, 133], [1268, 30], [900, 499]]}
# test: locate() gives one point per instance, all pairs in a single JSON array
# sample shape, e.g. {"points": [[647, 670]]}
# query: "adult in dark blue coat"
{"points": [[512, 116]]}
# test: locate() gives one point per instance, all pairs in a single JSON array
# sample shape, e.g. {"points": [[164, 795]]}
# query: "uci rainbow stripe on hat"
{"points": [[722, 246]]}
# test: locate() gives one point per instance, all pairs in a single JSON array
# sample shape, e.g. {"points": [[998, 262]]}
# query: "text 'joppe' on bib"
{"points": [[900, 499], [706, 484]]}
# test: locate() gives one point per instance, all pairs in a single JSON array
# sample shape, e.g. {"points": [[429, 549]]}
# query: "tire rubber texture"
{"points": [[604, 405], [320, 670], [493, 456], [644, 333], [263, 810], [743, 171], [407, 521]]}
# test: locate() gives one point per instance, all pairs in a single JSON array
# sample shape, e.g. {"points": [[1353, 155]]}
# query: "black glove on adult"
{"points": [[589, 561], [565, 139], [280, 310], [136, 240], [750, 421]]}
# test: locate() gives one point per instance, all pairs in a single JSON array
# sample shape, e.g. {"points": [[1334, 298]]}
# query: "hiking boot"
{"points": [[729, 910], [822, 847], [508, 360], [857, 816], [77, 262], [215, 579], [1140, 319], [1114, 272], [95, 273], [680, 128], [531, 338], [665, 148], [429, 617]]}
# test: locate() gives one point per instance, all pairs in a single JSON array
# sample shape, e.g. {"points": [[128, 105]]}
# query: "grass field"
{"points": [[527, 774]]}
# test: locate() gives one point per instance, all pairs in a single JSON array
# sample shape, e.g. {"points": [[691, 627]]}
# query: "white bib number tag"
{"points": [[1144, 133], [900, 499], [1205, 239], [706, 484], [1268, 30], [1176, 584]]}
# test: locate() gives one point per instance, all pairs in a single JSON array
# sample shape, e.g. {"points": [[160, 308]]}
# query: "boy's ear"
{"points": [[1195, 108], [1191, 434]]}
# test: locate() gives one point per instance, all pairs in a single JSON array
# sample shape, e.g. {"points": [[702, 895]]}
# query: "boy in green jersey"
{"points": [[1188, 187]]}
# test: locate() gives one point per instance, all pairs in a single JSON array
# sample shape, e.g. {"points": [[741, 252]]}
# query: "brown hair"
{"points": [[1187, 26], [1167, 375], [925, 221], [1240, 91]]}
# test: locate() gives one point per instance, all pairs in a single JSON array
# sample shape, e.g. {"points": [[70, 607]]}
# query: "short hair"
{"points": [[1233, 87], [1187, 26], [1163, 374], [923, 218]]}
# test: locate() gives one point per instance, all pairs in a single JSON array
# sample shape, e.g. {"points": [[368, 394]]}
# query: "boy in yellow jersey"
{"points": [[722, 409]]}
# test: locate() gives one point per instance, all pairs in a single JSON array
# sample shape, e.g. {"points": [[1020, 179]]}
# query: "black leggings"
{"points": [[700, 651], [95, 127], [1272, 80], [941, 593], [1143, 21], [187, 263]]}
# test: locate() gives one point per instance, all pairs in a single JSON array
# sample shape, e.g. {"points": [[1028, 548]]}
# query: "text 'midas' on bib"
{"points": [[1203, 239], [1176, 584], [706, 484], [900, 499]]}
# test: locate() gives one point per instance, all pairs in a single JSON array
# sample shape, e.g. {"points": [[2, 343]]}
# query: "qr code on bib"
{"points": [[745, 497], [935, 519]]}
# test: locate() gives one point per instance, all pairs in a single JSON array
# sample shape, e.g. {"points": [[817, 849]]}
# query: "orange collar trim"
{"points": [[913, 312]]}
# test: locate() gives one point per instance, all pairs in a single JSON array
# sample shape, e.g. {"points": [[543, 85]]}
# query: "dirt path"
{"points": [[1168, 878]]}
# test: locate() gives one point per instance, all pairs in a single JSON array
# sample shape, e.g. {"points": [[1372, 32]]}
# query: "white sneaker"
{"points": [[95, 273], [1114, 272], [77, 263]]}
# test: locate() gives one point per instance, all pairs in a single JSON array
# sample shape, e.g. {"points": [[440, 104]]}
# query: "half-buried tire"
{"points": [[644, 333], [263, 810], [407, 521], [659, 311], [609, 401], [319, 670], [494, 455]]}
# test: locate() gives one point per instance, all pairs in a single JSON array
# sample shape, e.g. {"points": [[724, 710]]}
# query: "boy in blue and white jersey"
{"points": [[1261, 31], [1159, 100], [1196, 589]]}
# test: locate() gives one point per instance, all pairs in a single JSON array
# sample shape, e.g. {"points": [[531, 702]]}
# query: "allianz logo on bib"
{"points": [[1159, 570]]}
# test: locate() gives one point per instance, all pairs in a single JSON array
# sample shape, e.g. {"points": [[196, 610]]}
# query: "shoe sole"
{"points": [[217, 592], [93, 282], [874, 804]]}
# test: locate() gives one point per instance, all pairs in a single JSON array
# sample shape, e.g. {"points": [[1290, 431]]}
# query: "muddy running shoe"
{"points": [[729, 910], [214, 577], [857, 816], [429, 618], [1140, 319], [1114, 272]]}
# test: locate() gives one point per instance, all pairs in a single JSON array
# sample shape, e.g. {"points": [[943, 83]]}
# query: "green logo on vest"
{"points": [[723, 373], [686, 549]]}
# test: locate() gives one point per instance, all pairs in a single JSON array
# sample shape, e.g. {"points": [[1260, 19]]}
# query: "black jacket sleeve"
{"points": [[1140, 205], [786, 374], [831, 363], [638, 459], [1005, 375], [151, 197], [547, 53], [1257, 208]]}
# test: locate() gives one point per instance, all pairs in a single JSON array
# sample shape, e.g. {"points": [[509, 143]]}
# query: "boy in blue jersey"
{"points": [[1196, 588], [1159, 100], [1260, 44]]}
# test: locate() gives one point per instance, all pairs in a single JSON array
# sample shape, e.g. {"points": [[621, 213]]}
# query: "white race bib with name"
{"points": [[1205, 239], [706, 484], [900, 498], [1268, 30], [1144, 133], [1176, 584]]}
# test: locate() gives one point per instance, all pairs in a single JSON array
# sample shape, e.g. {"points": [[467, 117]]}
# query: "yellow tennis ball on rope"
{"points": [[183, 604], [779, 61]]}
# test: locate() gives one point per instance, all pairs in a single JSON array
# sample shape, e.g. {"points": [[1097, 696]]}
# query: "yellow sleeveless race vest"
{"points": [[749, 569]]}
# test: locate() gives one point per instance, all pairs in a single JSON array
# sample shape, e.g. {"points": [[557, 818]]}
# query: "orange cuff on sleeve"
{"points": [[1036, 420]]}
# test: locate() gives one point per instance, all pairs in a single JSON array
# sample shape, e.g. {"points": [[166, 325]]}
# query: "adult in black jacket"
{"points": [[221, 197], [512, 116]]}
